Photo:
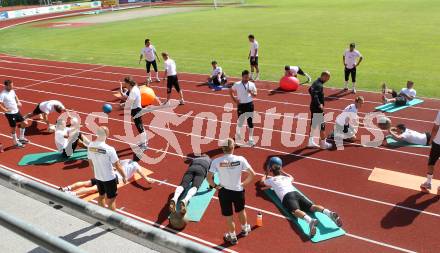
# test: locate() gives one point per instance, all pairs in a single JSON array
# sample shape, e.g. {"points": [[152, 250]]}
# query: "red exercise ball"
{"points": [[147, 96], [289, 83]]}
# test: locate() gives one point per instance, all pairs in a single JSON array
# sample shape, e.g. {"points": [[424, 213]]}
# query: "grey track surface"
{"points": [[88, 237]]}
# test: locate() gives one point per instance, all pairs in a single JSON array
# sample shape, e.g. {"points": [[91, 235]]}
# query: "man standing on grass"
{"points": [[9, 104], [103, 158], [349, 60], [434, 155], [150, 55], [253, 57], [171, 77], [316, 92], [231, 189]]}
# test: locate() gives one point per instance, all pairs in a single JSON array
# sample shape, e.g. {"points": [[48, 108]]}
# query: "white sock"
{"points": [[149, 76], [190, 194], [157, 75], [14, 137], [238, 131], [327, 212], [257, 75], [144, 138], [177, 193], [307, 218], [22, 130], [251, 134], [353, 86], [346, 84], [428, 178], [252, 75]]}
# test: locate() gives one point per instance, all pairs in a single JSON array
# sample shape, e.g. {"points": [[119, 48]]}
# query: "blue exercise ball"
{"points": [[107, 108]]}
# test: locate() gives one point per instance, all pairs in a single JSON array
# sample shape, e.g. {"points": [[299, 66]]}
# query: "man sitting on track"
{"points": [[131, 167], [9, 104], [401, 133], [295, 71], [401, 98], [217, 79], [194, 176], [67, 139], [43, 110], [293, 201]]}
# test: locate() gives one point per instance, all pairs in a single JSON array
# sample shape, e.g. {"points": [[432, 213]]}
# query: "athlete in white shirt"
{"points": [[347, 122], [67, 139], [253, 57], [9, 104], [231, 189], [103, 159], [45, 108], [292, 200], [401, 133], [401, 98], [349, 60], [243, 93], [150, 55], [171, 76], [434, 155], [295, 71], [85, 188], [217, 79]]}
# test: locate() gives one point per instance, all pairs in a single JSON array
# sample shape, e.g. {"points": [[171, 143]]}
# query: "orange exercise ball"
{"points": [[147, 96]]}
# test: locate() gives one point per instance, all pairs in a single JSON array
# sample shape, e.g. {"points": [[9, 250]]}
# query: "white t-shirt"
{"points": [[350, 57], [229, 169], [49, 106], [103, 157], [349, 112], [60, 140], [8, 99], [149, 53], [130, 167], [414, 137], [437, 123], [409, 92], [243, 91], [170, 67], [254, 48], [135, 96], [217, 71], [294, 70], [281, 185]]}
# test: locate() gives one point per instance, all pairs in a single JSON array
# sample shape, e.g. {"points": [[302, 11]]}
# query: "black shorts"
{"points": [[434, 155], [300, 72], [37, 110], [348, 72], [253, 60], [108, 188], [149, 63], [229, 199], [14, 118], [428, 138], [401, 101], [313, 111], [137, 121], [294, 200], [195, 175], [73, 144], [93, 181], [173, 81], [247, 108]]}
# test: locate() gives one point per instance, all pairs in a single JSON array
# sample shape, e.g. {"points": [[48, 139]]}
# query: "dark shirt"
{"points": [[316, 92], [203, 162]]}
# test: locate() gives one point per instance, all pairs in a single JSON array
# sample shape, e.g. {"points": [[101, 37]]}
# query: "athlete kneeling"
{"points": [[292, 200]]}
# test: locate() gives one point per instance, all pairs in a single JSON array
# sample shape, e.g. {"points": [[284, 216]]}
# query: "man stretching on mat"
{"points": [[295, 71], [131, 167], [292, 200], [231, 189], [150, 55], [68, 139], [402, 98], [192, 179], [43, 110], [9, 104], [401, 133], [347, 122], [434, 155]]}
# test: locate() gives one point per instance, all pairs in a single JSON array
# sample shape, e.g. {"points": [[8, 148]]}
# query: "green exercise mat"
{"points": [[396, 143], [51, 157], [391, 107], [326, 228]]}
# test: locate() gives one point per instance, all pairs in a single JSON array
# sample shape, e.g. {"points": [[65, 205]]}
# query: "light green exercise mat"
{"points": [[326, 228], [393, 142], [51, 157], [391, 107]]}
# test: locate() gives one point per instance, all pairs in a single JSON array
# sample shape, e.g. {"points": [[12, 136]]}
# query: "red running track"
{"points": [[377, 217]]}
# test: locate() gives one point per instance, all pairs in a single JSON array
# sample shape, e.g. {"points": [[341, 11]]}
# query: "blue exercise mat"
{"points": [[392, 107], [51, 157], [393, 142], [326, 228]]}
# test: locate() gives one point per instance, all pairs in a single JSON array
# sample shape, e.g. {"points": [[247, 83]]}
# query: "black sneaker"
{"points": [[231, 239]]}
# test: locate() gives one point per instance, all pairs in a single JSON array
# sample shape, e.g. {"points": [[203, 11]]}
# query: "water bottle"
{"points": [[259, 219]]}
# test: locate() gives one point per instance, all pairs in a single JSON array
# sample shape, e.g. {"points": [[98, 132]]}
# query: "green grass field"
{"points": [[398, 38]]}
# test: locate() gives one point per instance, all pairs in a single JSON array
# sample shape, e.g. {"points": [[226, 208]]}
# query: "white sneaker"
{"points": [[325, 145], [149, 80], [71, 193], [182, 102], [158, 80], [425, 186], [353, 91], [245, 230], [19, 145], [312, 227], [251, 142], [312, 144]]}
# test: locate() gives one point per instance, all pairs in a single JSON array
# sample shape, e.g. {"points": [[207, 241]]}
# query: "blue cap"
{"points": [[275, 160]]}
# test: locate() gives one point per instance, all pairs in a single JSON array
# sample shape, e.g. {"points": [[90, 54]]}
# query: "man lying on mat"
{"points": [[293, 201], [67, 139], [192, 179], [401, 98], [43, 110], [401, 133], [84, 188]]}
